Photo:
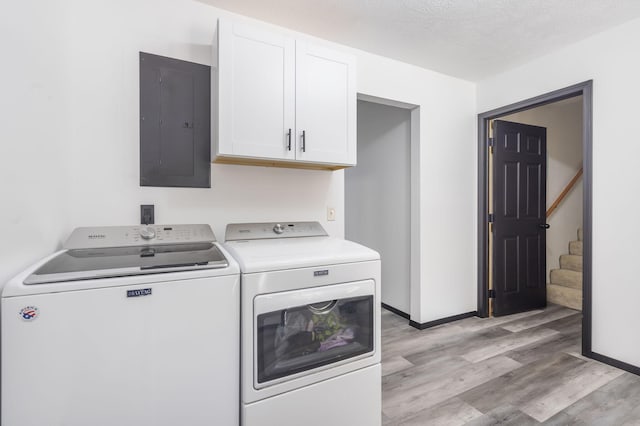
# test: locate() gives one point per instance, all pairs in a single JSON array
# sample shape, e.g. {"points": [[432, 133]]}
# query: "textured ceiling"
{"points": [[471, 39]]}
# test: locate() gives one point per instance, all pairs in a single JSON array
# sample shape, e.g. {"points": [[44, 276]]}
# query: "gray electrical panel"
{"points": [[175, 122]]}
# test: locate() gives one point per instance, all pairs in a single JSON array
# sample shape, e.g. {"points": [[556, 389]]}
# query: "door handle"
{"points": [[289, 140], [544, 226], [304, 141], [323, 308]]}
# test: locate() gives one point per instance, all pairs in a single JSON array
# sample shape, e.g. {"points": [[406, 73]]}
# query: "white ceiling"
{"points": [[471, 39]]}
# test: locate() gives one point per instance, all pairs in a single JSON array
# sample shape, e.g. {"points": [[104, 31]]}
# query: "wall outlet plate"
{"points": [[147, 214], [331, 213]]}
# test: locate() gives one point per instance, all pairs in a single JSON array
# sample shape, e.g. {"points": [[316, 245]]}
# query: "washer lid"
{"points": [[116, 251], [79, 264], [280, 254]]}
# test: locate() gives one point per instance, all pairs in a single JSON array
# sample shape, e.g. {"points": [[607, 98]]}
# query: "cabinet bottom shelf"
{"points": [[276, 163]]}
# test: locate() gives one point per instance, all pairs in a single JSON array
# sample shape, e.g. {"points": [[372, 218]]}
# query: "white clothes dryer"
{"points": [[128, 326], [310, 328]]}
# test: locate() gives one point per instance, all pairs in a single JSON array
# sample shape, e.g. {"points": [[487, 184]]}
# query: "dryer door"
{"points": [[312, 329]]}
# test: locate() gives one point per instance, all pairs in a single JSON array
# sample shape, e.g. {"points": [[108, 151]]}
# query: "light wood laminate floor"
{"points": [[523, 369]]}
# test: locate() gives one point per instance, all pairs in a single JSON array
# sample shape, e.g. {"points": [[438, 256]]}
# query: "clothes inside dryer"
{"points": [[305, 337]]}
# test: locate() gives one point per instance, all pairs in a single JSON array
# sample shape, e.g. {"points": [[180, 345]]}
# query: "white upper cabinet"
{"points": [[281, 102], [256, 89], [325, 105]]}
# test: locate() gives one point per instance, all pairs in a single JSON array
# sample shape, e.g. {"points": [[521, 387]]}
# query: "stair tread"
{"points": [[567, 272], [575, 247], [565, 296], [566, 278], [571, 261]]}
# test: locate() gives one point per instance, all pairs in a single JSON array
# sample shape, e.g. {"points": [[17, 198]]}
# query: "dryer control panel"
{"points": [[273, 230]]}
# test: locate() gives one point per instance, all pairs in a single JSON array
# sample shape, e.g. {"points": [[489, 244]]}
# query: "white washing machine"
{"points": [[127, 326], [310, 327]]}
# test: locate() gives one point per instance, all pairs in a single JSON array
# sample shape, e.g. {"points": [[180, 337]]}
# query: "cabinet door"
{"points": [[325, 105], [256, 93]]}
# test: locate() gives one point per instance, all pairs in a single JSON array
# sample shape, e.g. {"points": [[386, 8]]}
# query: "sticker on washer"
{"points": [[29, 313]]}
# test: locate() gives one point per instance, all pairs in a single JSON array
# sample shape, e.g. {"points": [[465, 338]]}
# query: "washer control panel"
{"points": [[271, 230], [125, 236], [147, 233]]}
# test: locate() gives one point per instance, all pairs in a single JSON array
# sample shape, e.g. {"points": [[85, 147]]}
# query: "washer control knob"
{"points": [[147, 233], [278, 229]]}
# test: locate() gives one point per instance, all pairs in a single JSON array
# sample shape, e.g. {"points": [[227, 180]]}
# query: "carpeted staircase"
{"points": [[565, 287]]}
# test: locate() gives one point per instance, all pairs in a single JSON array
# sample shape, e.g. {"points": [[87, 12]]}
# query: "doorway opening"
{"points": [[579, 96], [382, 197]]}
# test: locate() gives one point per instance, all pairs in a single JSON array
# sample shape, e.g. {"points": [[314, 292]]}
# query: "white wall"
{"points": [[378, 196], [447, 192], [563, 121], [69, 141], [70, 136], [611, 59]]}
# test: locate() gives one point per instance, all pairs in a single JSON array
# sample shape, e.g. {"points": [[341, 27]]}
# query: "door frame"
{"points": [[415, 273], [586, 90]]}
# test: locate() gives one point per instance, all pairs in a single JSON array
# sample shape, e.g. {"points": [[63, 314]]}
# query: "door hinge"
{"points": [[492, 293], [491, 218], [491, 143]]}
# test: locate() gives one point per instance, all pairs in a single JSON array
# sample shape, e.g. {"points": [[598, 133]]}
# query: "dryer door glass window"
{"points": [[304, 337]]}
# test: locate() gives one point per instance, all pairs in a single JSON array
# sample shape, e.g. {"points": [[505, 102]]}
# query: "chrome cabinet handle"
{"points": [[289, 140], [304, 140]]}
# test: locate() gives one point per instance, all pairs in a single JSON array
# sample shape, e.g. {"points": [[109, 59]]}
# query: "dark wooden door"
{"points": [[519, 202]]}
